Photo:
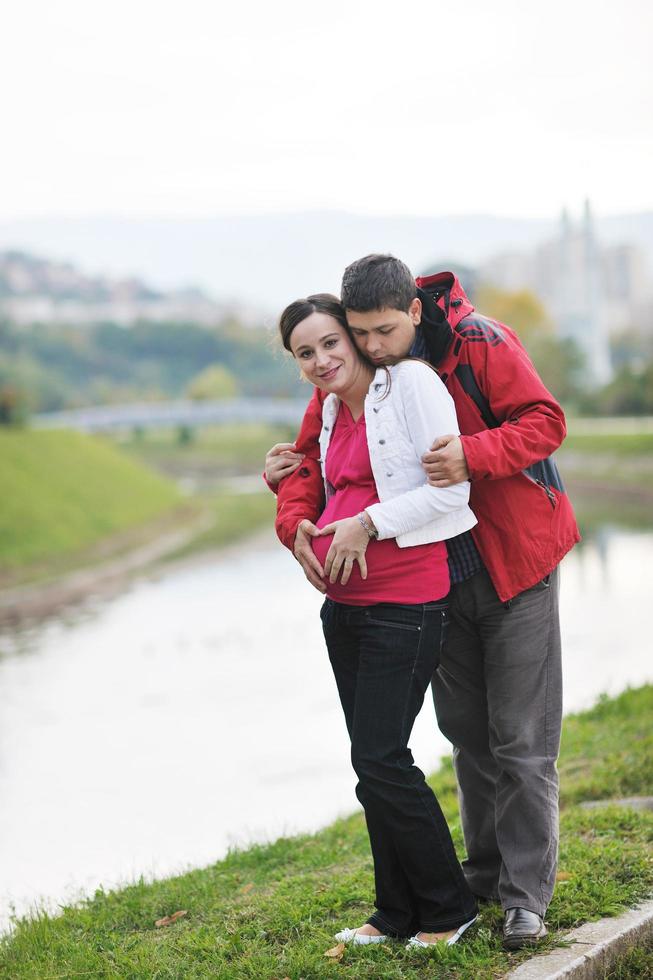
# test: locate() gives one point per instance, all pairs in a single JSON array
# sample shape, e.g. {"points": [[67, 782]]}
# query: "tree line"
{"points": [[48, 367]]}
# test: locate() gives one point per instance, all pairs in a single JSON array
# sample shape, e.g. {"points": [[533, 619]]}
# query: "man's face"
{"points": [[385, 336]]}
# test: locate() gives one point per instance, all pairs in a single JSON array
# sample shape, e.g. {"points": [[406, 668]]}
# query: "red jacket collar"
{"points": [[451, 296]]}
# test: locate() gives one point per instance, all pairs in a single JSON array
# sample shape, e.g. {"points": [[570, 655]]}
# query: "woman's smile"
{"points": [[330, 374]]}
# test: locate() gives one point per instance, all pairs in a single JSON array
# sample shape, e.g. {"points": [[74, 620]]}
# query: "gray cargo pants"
{"points": [[498, 699]]}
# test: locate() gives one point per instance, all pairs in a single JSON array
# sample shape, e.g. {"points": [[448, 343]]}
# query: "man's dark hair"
{"points": [[377, 282]]}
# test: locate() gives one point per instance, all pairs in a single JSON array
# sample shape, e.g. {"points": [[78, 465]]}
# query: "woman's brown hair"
{"points": [[293, 314]]}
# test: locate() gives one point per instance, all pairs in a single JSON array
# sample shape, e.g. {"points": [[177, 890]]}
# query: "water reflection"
{"points": [[198, 710]]}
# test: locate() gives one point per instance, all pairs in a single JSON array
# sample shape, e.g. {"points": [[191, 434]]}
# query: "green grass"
{"points": [[64, 491], [71, 499], [236, 515], [271, 911], [608, 751], [595, 509], [635, 965], [609, 478], [243, 446], [234, 448], [627, 444]]}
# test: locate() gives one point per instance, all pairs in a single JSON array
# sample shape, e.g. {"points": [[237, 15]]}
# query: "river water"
{"points": [[197, 711]]}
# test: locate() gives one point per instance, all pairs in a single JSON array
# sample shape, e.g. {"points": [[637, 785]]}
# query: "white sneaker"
{"points": [[415, 942], [352, 936]]}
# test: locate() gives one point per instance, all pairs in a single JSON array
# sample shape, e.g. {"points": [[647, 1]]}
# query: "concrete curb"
{"points": [[634, 802], [596, 946]]}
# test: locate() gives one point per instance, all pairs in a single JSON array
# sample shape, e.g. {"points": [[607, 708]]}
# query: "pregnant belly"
{"points": [[344, 503], [394, 574]]}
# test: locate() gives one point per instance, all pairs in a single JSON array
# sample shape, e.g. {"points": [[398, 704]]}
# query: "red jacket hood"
{"points": [[451, 297]]}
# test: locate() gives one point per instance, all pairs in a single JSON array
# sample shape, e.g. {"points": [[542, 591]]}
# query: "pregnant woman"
{"points": [[380, 540]]}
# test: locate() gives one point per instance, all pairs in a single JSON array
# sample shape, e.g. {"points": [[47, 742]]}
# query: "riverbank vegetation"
{"points": [[271, 911], [71, 500], [600, 443], [637, 964], [205, 455], [55, 366], [607, 468], [50, 366], [234, 516], [64, 492]]}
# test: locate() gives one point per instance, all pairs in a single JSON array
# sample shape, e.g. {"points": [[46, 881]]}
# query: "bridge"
{"points": [[150, 415]]}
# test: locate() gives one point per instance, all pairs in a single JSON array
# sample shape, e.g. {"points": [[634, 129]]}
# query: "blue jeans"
{"points": [[383, 658]]}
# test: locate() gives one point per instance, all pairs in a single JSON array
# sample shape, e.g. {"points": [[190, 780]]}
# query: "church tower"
{"points": [[581, 307]]}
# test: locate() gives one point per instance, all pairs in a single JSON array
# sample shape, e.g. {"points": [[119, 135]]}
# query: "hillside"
{"points": [[34, 289], [63, 492]]}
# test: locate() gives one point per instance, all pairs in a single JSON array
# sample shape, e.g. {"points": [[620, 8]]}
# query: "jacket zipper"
{"points": [[548, 491]]}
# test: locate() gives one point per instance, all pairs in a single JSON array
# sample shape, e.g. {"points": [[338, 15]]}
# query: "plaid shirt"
{"points": [[464, 559]]}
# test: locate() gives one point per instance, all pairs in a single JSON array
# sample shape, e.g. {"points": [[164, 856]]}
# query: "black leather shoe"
{"points": [[522, 928]]}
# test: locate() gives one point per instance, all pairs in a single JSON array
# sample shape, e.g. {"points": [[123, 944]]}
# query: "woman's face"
{"points": [[326, 355]]}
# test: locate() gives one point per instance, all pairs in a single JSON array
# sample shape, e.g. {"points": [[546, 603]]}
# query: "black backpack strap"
{"points": [[545, 472], [466, 377]]}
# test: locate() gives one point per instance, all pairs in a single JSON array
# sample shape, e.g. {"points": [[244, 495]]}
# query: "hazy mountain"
{"points": [[264, 261], [34, 289], [22, 274]]}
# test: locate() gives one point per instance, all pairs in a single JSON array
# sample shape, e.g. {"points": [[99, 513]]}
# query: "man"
{"points": [[497, 691]]}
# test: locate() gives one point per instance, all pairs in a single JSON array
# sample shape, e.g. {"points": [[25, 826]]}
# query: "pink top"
{"points": [[394, 574]]}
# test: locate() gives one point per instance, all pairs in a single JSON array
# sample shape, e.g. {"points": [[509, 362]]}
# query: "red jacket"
{"points": [[509, 423]]}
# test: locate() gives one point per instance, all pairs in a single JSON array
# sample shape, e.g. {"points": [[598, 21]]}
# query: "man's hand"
{"points": [[281, 460], [306, 556], [350, 541], [445, 463]]}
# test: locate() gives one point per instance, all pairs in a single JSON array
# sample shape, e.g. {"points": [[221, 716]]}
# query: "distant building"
{"points": [[591, 291], [576, 295]]}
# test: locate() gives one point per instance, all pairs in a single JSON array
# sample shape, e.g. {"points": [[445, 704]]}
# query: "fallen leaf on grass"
{"points": [[337, 952], [563, 876], [167, 920], [246, 888]]}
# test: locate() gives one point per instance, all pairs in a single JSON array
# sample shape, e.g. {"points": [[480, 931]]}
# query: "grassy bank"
{"points": [[270, 912], [635, 965], [599, 443], [62, 492], [235, 515], [72, 500], [206, 459], [608, 474], [621, 459], [207, 453]]}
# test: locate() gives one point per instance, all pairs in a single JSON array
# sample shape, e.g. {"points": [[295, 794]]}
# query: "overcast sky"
{"points": [[197, 108]]}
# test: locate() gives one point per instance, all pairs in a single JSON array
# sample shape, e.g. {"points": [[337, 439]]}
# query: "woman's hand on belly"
{"points": [[303, 552], [350, 541]]}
